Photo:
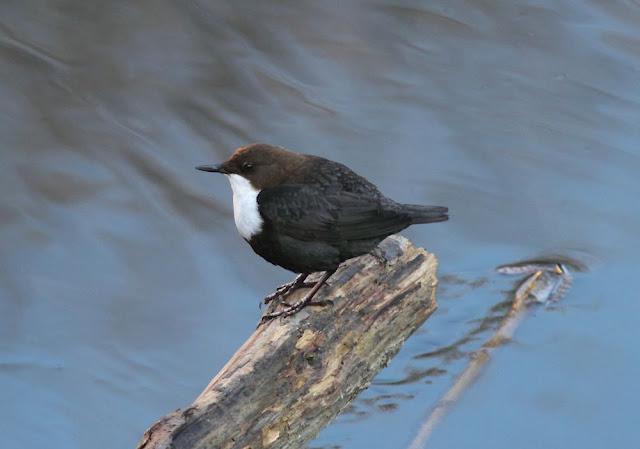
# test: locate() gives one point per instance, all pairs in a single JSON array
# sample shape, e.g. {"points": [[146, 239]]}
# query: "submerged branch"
{"points": [[547, 282]]}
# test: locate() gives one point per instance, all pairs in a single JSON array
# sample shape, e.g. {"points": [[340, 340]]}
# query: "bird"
{"points": [[309, 214]]}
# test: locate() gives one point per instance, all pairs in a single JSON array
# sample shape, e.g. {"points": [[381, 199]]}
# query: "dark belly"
{"points": [[307, 257]]}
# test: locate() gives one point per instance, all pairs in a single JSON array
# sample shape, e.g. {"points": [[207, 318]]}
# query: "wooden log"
{"points": [[295, 374]]}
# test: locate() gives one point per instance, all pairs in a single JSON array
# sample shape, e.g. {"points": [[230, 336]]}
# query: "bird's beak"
{"points": [[212, 168]]}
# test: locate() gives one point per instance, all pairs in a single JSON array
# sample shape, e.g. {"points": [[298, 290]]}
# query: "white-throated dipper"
{"points": [[308, 214]]}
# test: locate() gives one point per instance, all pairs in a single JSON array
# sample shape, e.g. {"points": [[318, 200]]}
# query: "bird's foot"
{"points": [[285, 289], [292, 309], [299, 305]]}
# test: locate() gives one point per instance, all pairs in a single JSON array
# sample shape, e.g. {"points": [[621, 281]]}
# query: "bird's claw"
{"points": [[305, 301], [287, 288], [280, 292], [287, 311], [292, 309]]}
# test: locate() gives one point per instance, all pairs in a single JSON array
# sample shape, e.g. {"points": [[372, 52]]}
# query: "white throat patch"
{"points": [[245, 206]]}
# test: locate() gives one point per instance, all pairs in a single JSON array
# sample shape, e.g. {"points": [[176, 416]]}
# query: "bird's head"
{"points": [[261, 164]]}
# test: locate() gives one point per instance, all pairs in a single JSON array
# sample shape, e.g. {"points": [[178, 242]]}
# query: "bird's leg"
{"points": [[287, 288], [295, 307]]}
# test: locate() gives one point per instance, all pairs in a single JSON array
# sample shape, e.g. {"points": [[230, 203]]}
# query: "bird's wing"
{"points": [[308, 213]]}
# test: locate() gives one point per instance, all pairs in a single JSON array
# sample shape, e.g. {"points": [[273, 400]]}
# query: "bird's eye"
{"points": [[247, 166]]}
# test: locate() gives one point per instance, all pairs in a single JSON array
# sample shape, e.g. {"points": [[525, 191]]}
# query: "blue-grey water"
{"points": [[123, 283]]}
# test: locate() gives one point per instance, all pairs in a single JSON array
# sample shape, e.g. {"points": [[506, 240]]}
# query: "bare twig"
{"points": [[547, 282]]}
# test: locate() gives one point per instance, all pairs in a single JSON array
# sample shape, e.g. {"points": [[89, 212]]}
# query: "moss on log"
{"points": [[295, 374]]}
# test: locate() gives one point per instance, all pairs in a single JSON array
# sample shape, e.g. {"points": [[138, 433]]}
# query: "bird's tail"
{"points": [[426, 214]]}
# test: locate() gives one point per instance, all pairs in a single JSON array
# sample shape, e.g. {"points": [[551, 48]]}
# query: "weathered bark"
{"points": [[295, 374]]}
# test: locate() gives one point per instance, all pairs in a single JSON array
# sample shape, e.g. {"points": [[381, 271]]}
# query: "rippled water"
{"points": [[124, 286]]}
